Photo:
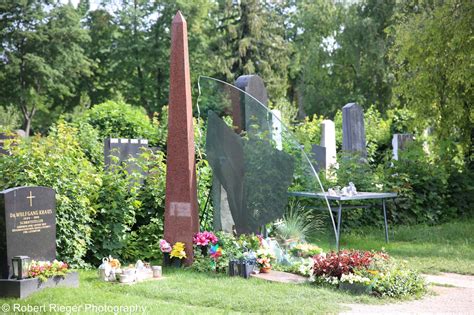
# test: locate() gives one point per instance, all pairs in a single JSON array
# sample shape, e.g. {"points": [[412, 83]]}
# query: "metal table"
{"points": [[341, 199]]}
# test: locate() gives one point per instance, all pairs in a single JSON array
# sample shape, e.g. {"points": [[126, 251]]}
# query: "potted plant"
{"points": [[177, 254], [165, 248], [43, 270], [264, 260], [203, 239]]}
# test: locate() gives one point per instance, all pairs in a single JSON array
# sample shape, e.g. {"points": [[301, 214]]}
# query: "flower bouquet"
{"points": [[177, 254], [165, 248], [203, 239]]}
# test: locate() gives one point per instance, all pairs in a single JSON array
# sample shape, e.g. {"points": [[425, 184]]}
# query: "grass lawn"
{"points": [[447, 247], [184, 291]]}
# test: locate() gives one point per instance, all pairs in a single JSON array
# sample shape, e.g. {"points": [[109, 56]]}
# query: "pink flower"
{"points": [[165, 246], [204, 238]]}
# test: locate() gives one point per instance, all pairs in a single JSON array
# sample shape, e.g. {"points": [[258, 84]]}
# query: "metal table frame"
{"points": [[341, 199]]}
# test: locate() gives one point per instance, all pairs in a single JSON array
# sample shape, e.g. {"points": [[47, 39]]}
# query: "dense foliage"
{"points": [[57, 161]]}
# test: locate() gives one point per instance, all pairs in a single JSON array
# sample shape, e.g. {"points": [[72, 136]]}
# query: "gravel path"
{"points": [[447, 300]]}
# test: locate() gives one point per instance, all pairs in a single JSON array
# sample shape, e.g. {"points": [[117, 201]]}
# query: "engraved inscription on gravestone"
{"points": [[27, 225]]}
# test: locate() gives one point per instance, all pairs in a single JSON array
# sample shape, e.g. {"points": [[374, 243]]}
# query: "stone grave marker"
{"points": [[400, 142], [277, 129], [181, 208], [27, 225], [247, 108], [353, 129], [122, 150], [328, 140], [318, 157]]}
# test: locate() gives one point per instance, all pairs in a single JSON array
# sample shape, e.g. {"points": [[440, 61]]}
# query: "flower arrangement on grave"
{"points": [[264, 260], [305, 250], [203, 239], [165, 247], [46, 269], [178, 251], [366, 272]]}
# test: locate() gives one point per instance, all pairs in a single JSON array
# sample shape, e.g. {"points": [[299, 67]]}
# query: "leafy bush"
{"points": [[143, 243], [399, 282], [335, 264], [120, 120], [116, 208], [58, 161], [422, 187]]}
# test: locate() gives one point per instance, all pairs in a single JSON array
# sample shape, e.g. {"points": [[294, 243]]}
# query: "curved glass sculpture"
{"points": [[258, 165]]}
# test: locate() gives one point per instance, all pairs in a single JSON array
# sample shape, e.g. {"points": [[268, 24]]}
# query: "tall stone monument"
{"points": [[328, 140], [181, 209], [353, 130]]}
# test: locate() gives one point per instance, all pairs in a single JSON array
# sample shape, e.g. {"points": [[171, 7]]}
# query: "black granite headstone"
{"points": [[27, 225]]}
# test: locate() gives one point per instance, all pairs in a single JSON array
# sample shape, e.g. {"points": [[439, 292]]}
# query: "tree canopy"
{"points": [[313, 55]]}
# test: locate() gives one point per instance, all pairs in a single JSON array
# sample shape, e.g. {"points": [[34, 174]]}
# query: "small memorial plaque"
{"points": [[27, 225]]}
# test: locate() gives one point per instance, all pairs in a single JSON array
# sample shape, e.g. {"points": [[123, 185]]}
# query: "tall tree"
{"points": [[250, 39], [433, 59], [42, 59], [343, 54]]}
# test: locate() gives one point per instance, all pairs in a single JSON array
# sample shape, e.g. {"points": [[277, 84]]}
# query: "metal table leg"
{"points": [[339, 214], [385, 219]]}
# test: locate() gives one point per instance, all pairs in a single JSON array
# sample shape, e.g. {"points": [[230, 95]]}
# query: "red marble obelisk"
{"points": [[181, 211]]}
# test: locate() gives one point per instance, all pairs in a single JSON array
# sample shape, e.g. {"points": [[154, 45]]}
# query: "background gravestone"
{"points": [[122, 150], [277, 129], [27, 225], [3, 137], [328, 140], [248, 108], [318, 157], [400, 142], [353, 129]]}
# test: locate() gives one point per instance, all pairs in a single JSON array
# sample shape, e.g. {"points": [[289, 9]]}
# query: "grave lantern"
{"points": [[21, 265]]}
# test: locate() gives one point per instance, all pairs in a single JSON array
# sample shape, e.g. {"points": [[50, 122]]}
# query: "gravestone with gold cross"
{"points": [[27, 225]]}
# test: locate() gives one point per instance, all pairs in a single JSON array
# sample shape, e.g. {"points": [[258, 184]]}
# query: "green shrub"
{"points": [[120, 120], [399, 282], [58, 161], [422, 187], [116, 209], [143, 243]]}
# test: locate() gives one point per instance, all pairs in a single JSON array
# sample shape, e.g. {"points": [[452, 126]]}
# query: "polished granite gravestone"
{"points": [[181, 205], [27, 228]]}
